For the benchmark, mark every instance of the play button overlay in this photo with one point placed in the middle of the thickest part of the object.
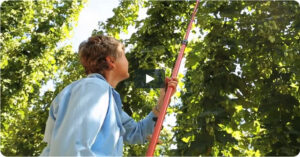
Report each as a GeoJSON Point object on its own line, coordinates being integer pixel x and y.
{"type": "Point", "coordinates": [149, 78]}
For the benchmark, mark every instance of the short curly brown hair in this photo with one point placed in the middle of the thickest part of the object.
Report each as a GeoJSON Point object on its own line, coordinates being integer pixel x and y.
{"type": "Point", "coordinates": [93, 53]}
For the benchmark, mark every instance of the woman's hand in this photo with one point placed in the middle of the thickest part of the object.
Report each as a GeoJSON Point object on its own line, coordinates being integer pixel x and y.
{"type": "Point", "coordinates": [169, 82]}
{"type": "Point", "coordinates": [149, 137]}
{"type": "Point", "coordinates": [172, 82]}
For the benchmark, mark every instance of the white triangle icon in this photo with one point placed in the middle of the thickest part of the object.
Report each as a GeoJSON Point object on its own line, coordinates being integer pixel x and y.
{"type": "Point", "coordinates": [149, 78]}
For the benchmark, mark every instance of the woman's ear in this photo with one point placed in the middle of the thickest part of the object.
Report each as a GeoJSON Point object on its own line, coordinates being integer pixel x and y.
{"type": "Point", "coordinates": [110, 62]}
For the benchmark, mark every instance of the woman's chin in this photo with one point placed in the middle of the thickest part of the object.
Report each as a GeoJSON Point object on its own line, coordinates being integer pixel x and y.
{"type": "Point", "coordinates": [126, 77]}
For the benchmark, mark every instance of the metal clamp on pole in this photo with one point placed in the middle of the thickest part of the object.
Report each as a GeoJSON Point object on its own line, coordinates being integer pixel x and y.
{"type": "Point", "coordinates": [184, 42]}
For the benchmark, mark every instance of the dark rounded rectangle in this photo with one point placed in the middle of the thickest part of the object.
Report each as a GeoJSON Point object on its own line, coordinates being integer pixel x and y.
{"type": "Point", "coordinates": [149, 78]}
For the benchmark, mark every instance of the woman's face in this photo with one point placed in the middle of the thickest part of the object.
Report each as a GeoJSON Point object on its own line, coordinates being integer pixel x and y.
{"type": "Point", "coordinates": [122, 63]}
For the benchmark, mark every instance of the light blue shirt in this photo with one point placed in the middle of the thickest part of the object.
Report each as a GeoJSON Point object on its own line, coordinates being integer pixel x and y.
{"type": "Point", "coordinates": [86, 119]}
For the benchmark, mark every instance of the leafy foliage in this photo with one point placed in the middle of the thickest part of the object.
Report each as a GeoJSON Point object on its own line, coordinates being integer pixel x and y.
{"type": "Point", "coordinates": [240, 92]}
{"type": "Point", "coordinates": [241, 88]}
{"type": "Point", "coordinates": [30, 33]}
{"type": "Point", "coordinates": [242, 73]}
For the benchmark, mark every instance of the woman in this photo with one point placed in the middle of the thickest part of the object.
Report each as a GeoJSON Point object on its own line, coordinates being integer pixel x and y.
{"type": "Point", "coordinates": [86, 118]}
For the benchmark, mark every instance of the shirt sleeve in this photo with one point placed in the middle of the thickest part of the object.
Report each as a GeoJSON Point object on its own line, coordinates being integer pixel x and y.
{"type": "Point", "coordinates": [137, 132]}
{"type": "Point", "coordinates": [49, 124]}
{"type": "Point", "coordinates": [80, 119]}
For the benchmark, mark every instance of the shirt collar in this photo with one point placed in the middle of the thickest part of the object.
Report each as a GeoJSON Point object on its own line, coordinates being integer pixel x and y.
{"type": "Point", "coordinates": [118, 100]}
{"type": "Point", "coordinates": [97, 75]}
{"type": "Point", "coordinates": [116, 95]}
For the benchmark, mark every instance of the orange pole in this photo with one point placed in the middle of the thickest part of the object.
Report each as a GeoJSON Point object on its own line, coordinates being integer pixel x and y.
{"type": "Point", "coordinates": [163, 109]}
